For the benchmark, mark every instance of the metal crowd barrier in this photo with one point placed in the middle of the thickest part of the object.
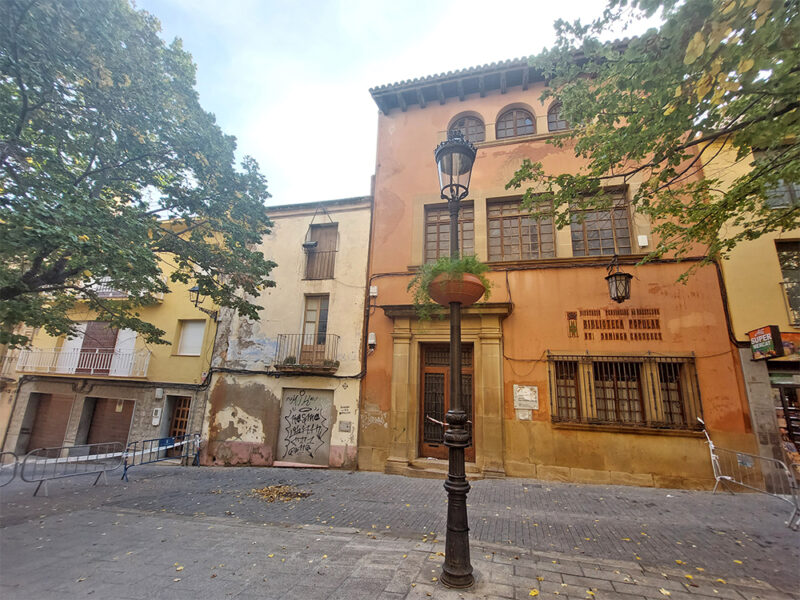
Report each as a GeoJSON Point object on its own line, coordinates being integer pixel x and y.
{"type": "Point", "coordinates": [143, 452]}
{"type": "Point", "coordinates": [8, 467]}
{"type": "Point", "coordinates": [766, 475]}
{"type": "Point", "coordinates": [43, 464]}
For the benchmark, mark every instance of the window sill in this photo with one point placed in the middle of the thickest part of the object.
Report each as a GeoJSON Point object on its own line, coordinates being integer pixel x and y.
{"type": "Point", "coordinates": [638, 430]}
{"type": "Point", "coordinates": [562, 261]}
{"type": "Point", "coordinates": [533, 137]}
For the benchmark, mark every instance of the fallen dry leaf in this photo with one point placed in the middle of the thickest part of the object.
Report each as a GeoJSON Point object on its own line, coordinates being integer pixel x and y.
{"type": "Point", "coordinates": [179, 568]}
{"type": "Point", "coordinates": [286, 493]}
{"type": "Point", "coordinates": [533, 593]}
{"type": "Point", "coordinates": [663, 591]}
{"type": "Point", "coordinates": [680, 562]}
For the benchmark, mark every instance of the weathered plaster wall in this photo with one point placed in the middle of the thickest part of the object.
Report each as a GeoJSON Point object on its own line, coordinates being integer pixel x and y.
{"type": "Point", "coordinates": [244, 419]}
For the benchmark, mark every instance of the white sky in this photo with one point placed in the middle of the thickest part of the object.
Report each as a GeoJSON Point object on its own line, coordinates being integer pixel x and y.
{"type": "Point", "coordinates": [290, 79]}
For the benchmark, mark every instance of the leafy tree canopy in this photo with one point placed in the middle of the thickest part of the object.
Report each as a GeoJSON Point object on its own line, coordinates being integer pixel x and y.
{"type": "Point", "coordinates": [717, 75]}
{"type": "Point", "coordinates": [112, 174]}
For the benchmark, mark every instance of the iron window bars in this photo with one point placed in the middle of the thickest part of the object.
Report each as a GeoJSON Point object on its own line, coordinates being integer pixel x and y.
{"type": "Point", "coordinates": [657, 392]}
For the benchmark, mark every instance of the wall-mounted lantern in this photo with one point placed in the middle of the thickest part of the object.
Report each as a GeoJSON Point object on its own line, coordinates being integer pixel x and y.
{"type": "Point", "coordinates": [195, 298]}
{"type": "Point", "coordinates": [619, 282]}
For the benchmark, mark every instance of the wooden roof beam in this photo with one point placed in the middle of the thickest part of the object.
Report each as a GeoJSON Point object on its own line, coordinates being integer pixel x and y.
{"type": "Point", "coordinates": [401, 101]}
{"type": "Point", "coordinates": [482, 86]}
{"type": "Point", "coordinates": [440, 93]}
{"type": "Point", "coordinates": [461, 94]}
{"type": "Point", "coordinates": [421, 98]}
{"type": "Point", "coordinates": [503, 86]}
{"type": "Point", "coordinates": [525, 74]}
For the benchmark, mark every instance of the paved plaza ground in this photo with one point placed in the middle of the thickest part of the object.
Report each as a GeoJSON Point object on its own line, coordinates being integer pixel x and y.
{"type": "Point", "coordinates": [193, 532]}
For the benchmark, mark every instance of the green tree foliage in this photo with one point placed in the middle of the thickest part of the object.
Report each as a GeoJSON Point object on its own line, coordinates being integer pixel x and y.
{"type": "Point", "coordinates": [659, 108]}
{"type": "Point", "coordinates": [112, 173]}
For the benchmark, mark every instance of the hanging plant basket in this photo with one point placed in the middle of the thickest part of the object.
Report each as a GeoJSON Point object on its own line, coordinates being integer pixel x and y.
{"type": "Point", "coordinates": [465, 288]}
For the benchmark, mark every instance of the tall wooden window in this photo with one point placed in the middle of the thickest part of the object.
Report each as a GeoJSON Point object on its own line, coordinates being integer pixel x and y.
{"type": "Point", "coordinates": [321, 260]}
{"type": "Point", "coordinates": [669, 380]}
{"type": "Point", "coordinates": [315, 322]}
{"type": "Point", "coordinates": [472, 128]}
{"type": "Point", "coordinates": [617, 392]}
{"type": "Point", "coordinates": [315, 330]}
{"type": "Point", "coordinates": [515, 234]}
{"type": "Point", "coordinates": [789, 259]}
{"type": "Point", "coordinates": [515, 122]}
{"type": "Point", "coordinates": [555, 122]}
{"type": "Point", "coordinates": [437, 232]}
{"type": "Point", "coordinates": [568, 399]}
{"type": "Point", "coordinates": [602, 232]}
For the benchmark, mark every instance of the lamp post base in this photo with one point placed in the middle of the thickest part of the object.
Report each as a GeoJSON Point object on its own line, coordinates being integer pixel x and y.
{"type": "Point", "coordinates": [457, 569]}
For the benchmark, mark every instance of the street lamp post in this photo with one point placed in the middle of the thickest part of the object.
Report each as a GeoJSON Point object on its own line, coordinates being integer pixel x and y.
{"type": "Point", "coordinates": [454, 160]}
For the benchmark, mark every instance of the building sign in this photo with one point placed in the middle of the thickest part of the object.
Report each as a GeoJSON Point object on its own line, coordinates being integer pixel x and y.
{"type": "Point", "coordinates": [765, 342]}
{"type": "Point", "coordinates": [615, 324]}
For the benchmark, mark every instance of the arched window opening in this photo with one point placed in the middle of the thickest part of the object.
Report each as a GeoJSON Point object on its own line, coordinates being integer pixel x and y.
{"type": "Point", "coordinates": [472, 128]}
{"type": "Point", "coordinates": [515, 122]}
{"type": "Point", "coordinates": [555, 122]}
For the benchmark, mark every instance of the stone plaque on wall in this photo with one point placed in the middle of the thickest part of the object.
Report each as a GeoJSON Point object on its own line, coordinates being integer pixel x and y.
{"type": "Point", "coordinates": [526, 397]}
{"type": "Point", "coordinates": [305, 426]}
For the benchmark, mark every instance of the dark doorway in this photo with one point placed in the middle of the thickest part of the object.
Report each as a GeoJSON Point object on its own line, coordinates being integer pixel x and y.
{"type": "Point", "coordinates": [435, 395]}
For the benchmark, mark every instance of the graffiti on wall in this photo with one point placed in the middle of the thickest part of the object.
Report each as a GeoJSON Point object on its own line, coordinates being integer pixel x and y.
{"type": "Point", "coordinates": [305, 431]}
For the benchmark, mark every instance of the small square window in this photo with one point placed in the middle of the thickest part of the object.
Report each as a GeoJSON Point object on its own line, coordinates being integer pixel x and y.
{"type": "Point", "coordinates": [190, 337]}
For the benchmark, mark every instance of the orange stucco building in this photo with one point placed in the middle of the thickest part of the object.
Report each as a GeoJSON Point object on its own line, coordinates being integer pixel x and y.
{"type": "Point", "coordinates": [560, 381]}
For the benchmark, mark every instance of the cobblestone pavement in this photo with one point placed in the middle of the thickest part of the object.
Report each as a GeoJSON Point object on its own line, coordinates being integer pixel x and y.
{"type": "Point", "coordinates": [186, 532]}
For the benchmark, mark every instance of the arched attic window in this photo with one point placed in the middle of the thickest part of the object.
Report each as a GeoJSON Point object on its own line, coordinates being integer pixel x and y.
{"type": "Point", "coordinates": [472, 128]}
{"type": "Point", "coordinates": [515, 122]}
{"type": "Point", "coordinates": [555, 122]}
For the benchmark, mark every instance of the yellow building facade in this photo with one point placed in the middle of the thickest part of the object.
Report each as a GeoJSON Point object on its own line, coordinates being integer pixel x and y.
{"type": "Point", "coordinates": [762, 280]}
{"type": "Point", "coordinates": [107, 385]}
{"type": "Point", "coordinates": [285, 388]}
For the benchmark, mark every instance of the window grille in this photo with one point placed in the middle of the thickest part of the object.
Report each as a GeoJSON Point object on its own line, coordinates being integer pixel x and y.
{"type": "Point", "coordinates": [635, 391]}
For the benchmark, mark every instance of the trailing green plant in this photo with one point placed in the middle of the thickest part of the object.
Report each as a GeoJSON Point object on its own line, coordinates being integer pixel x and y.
{"type": "Point", "coordinates": [289, 360]}
{"type": "Point", "coordinates": [423, 303]}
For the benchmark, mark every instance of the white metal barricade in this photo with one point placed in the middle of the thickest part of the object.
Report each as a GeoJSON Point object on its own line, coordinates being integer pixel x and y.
{"type": "Point", "coordinates": [758, 473]}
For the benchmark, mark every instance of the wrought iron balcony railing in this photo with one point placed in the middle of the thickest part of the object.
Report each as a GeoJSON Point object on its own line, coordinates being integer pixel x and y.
{"type": "Point", "coordinates": [100, 361]}
{"type": "Point", "coordinates": [307, 353]}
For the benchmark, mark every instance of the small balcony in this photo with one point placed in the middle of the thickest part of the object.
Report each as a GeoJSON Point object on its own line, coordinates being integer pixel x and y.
{"type": "Point", "coordinates": [298, 353]}
{"type": "Point", "coordinates": [99, 362]}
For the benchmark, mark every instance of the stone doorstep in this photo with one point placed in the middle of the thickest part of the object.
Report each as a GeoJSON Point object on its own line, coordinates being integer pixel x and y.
{"type": "Point", "coordinates": [434, 468]}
